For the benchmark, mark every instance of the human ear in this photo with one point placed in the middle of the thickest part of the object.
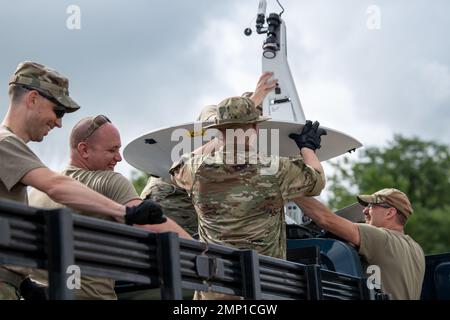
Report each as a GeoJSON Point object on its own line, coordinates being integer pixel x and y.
{"type": "Point", "coordinates": [31, 98]}
{"type": "Point", "coordinates": [391, 212]}
{"type": "Point", "coordinates": [83, 150]}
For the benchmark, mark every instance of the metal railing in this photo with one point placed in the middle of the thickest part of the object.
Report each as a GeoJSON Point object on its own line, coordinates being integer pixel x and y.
{"type": "Point", "coordinates": [56, 239]}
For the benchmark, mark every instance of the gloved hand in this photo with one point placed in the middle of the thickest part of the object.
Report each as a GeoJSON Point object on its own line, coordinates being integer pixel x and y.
{"type": "Point", "coordinates": [148, 212]}
{"type": "Point", "coordinates": [30, 290]}
{"type": "Point", "coordinates": [310, 136]}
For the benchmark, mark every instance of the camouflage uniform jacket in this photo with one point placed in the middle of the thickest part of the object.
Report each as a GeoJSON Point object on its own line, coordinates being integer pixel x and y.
{"type": "Point", "coordinates": [238, 206]}
{"type": "Point", "coordinates": [176, 203]}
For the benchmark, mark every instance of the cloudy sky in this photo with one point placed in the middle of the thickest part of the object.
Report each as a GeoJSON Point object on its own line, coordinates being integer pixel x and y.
{"type": "Point", "coordinates": [149, 64]}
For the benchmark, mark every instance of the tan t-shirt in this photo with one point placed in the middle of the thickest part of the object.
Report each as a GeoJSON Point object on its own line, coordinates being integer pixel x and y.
{"type": "Point", "coordinates": [400, 259]}
{"type": "Point", "coordinates": [112, 185]}
{"type": "Point", "coordinates": [16, 160]}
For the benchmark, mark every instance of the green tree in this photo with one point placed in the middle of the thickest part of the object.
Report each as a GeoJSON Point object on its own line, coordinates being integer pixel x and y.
{"type": "Point", "coordinates": [139, 180]}
{"type": "Point", "coordinates": [431, 229]}
{"type": "Point", "coordinates": [419, 168]}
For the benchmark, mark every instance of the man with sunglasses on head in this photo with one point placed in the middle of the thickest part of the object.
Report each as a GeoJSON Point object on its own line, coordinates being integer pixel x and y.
{"type": "Point", "coordinates": [39, 98]}
{"type": "Point", "coordinates": [381, 241]}
{"type": "Point", "coordinates": [94, 152]}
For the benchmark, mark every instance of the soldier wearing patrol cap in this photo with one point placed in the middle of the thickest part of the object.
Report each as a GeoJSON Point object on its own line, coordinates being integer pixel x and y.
{"type": "Point", "coordinates": [175, 201]}
{"type": "Point", "coordinates": [381, 241]}
{"type": "Point", "coordinates": [39, 98]}
{"type": "Point", "coordinates": [236, 204]}
{"type": "Point", "coordinates": [48, 82]}
{"type": "Point", "coordinates": [388, 197]}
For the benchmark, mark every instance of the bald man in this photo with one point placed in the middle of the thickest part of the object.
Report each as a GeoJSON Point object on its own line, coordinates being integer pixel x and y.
{"type": "Point", "coordinates": [94, 152]}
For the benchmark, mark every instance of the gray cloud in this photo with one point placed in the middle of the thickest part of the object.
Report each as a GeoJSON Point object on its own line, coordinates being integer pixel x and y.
{"type": "Point", "coordinates": [151, 64]}
{"type": "Point", "coordinates": [398, 76]}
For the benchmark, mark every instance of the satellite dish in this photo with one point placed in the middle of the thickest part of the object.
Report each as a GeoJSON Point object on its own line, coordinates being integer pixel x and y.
{"type": "Point", "coordinates": [155, 151]}
{"type": "Point", "coordinates": [353, 212]}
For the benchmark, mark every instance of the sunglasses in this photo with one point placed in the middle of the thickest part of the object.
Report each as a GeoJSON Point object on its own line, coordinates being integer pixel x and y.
{"type": "Point", "coordinates": [382, 205]}
{"type": "Point", "coordinates": [97, 122]}
{"type": "Point", "coordinates": [59, 110]}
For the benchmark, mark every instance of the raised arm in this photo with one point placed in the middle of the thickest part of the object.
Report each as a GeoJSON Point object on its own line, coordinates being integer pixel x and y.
{"type": "Point", "coordinates": [263, 87]}
{"type": "Point", "coordinates": [328, 220]}
{"type": "Point", "coordinates": [308, 141]}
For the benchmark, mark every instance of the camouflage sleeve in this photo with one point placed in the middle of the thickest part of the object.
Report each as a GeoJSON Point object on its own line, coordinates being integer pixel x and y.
{"type": "Point", "coordinates": [157, 188]}
{"type": "Point", "coordinates": [298, 179]}
{"type": "Point", "coordinates": [147, 189]}
{"type": "Point", "coordinates": [182, 173]}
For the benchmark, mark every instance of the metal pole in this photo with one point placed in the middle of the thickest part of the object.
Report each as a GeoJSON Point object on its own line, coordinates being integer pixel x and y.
{"type": "Point", "coordinates": [250, 275]}
{"type": "Point", "coordinates": [60, 252]}
{"type": "Point", "coordinates": [168, 253]}
{"type": "Point", "coordinates": [314, 281]}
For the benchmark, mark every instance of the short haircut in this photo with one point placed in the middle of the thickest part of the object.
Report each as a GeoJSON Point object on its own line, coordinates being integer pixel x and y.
{"type": "Point", "coordinates": [85, 128]}
{"type": "Point", "coordinates": [79, 132]}
{"type": "Point", "coordinates": [400, 218]}
{"type": "Point", "coordinates": [16, 92]}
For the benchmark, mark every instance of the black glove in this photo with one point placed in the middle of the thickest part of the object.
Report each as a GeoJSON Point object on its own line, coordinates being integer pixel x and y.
{"type": "Point", "coordinates": [148, 212]}
{"type": "Point", "coordinates": [310, 136]}
{"type": "Point", "coordinates": [30, 290]}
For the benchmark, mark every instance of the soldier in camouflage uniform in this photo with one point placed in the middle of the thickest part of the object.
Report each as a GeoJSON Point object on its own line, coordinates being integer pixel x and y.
{"type": "Point", "coordinates": [236, 204]}
{"type": "Point", "coordinates": [176, 202]}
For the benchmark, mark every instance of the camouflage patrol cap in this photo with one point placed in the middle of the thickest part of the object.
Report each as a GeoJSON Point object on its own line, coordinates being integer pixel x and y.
{"type": "Point", "coordinates": [248, 94]}
{"type": "Point", "coordinates": [208, 113]}
{"type": "Point", "coordinates": [236, 111]}
{"type": "Point", "coordinates": [392, 197]}
{"type": "Point", "coordinates": [36, 76]}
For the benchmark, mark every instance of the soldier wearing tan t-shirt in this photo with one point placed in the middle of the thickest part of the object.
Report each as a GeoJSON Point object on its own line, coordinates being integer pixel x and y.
{"type": "Point", "coordinates": [381, 241]}
{"type": "Point", "coordinates": [16, 160]}
{"type": "Point", "coordinates": [39, 98]}
{"type": "Point", "coordinates": [112, 185]}
{"type": "Point", "coordinates": [94, 152]}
